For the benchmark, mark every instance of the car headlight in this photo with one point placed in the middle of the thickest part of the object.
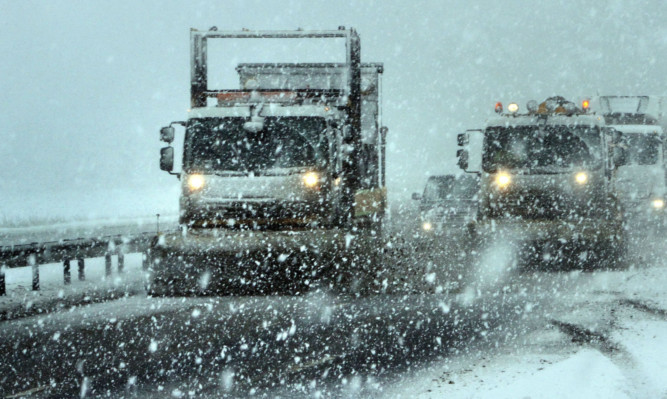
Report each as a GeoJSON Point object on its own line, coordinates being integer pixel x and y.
{"type": "Point", "coordinates": [658, 203]}
{"type": "Point", "coordinates": [196, 182]}
{"type": "Point", "coordinates": [427, 226]}
{"type": "Point", "coordinates": [310, 179]}
{"type": "Point", "coordinates": [581, 178]}
{"type": "Point", "coordinates": [503, 179]}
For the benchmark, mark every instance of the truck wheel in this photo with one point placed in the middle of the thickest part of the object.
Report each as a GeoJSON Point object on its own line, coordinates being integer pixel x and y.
{"type": "Point", "coordinates": [155, 288]}
{"type": "Point", "coordinates": [617, 258]}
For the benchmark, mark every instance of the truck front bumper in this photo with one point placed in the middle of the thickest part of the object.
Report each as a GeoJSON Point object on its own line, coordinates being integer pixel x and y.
{"type": "Point", "coordinates": [215, 260]}
{"type": "Point", "coordinates": [564, 231]}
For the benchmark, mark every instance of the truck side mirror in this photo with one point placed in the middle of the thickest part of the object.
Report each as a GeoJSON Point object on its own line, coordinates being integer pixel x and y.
{"type": "Point", "coordinates": [167, 159]}
{"type": "Point", "coordinates": [416, 196]}
{"type": "Point", "coordinates": [620, 156]}
{"type": "Point", "coordinates": [618, 148]}
{"type": "Point", "coordinates": [617, 137]}
{"type": "Point", "coordinates": [254, 125]}
{"type": "Point", "coordinates": [167, 134]}
{"type": "Point", "coordinates": [462, 139]}
{"type": "Point", "coordinates": [462, 156]}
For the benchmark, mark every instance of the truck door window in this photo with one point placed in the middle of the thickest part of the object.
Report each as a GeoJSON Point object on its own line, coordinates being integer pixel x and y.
{"type": "Point", "coordinates": [642, 149]}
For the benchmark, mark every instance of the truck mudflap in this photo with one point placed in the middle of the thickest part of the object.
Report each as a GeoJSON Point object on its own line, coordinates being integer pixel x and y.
{"type": "Point", "coordinates": [222, 261]}
{"type": "Point", "coordinates": [587, 243]}
{"type": "Point", "coordinates": [370, 202]}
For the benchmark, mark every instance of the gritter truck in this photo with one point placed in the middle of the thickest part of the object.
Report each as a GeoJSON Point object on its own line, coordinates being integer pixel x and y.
{"type": "Point", "coordinates": [547, 184]}
{"type": "Point", "coordinates": [282, 179]}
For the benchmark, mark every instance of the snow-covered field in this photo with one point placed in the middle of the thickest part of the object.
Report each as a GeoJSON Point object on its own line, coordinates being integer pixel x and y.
{"type": "Point", "coordinates": [83, 207]}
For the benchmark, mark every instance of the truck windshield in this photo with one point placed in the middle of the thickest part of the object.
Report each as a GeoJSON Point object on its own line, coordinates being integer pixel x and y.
{"type": "Point", "coordinates": [642, 149]}
{"type": "Point", "coordinates": [221, 144]}
{"type": "Point", "coordinates": [541, 149]}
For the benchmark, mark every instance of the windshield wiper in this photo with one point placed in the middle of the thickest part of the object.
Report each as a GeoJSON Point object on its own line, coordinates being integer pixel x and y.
{"type": "Point", "coordinates": [229, 173]}
{"type": "Point", "coordinates": [292, 170]}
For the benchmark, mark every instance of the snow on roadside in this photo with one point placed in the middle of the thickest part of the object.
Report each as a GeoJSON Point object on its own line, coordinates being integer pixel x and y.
{"type": "Point", "coordinates": [551, 365]}
{"type": "Point", "coordinates": [645, 342]}
{"type": "Point", "coordinates": [548, 366]}
{"type": "Point", "coordinates": [586, 374]}
{"type": "Point", "coordinates": [52, 288]}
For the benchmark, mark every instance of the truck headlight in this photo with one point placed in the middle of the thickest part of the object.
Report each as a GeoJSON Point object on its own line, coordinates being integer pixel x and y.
{"type": "Point", "coordinates": [503, 179]}
{"type": "Point", "coordinates": [581, 178]}
{"type": "Point", "coordinates": [196, 182]}
{"type": "Point", "coordinates": [310, 179]}
{"type": "Point", "coordinates": [427, 226]}
{"type": "Point", "coordinates": [658, 203]}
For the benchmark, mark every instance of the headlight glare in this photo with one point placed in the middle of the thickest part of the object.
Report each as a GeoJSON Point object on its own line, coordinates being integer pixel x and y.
{"type": "Point", "coordinates": [310, 179]}
{"type": "Point", "coordinates": [581, 178]}
{"type": "Point", "coordinates": [658, 203]}
{"type": "Point", "coordinates": [503, 179]}
{"type": "Point", "coordinates": [427, 226]}
{"type": "Point", "coordinates": [196, 182]}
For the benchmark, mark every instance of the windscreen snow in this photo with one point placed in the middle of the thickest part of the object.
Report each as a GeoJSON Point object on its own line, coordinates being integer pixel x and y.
{"type": "Point", "coordinates": [222, 145]}
{"type": "Point", "coordinates": [541, 149]}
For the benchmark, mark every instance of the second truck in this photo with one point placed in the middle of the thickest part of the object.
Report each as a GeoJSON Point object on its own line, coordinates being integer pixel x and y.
{"type": "Point", "coordinates": [547, 184]}
{"type": "Point", "coordinates": [282, 180]}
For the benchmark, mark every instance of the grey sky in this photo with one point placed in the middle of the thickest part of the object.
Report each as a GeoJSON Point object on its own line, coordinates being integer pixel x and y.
{"type": "Point", "coordinates": [85, 86]}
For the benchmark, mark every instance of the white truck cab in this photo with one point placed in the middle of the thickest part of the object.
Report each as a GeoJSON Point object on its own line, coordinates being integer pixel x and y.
{"type": "Point", "coordinates": [641, 183]}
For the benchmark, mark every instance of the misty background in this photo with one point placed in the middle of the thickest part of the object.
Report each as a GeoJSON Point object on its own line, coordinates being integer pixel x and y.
{"type": "Point", "coordinates": [85, 86]}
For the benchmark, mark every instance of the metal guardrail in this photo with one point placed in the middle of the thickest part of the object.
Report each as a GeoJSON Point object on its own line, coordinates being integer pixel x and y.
{"type": "Point", "coordinates": [65, 251]}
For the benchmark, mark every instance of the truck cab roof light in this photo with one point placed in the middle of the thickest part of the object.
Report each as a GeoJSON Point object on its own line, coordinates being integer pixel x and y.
{"type": "Point", "coordinates": [499, 107]}
{"type": "Point", "coordinates": [569, 108]}
{"type": "Point", "coordinates": [551, 104]}
{"type": "Point", "coordinates": [531, 106]}
{"type": "Point", "coordinates": [585, 104]}
{"type": "Point", "coordinates": [513, 108]}
{"type": "Point", "coordinates": [558, 105]}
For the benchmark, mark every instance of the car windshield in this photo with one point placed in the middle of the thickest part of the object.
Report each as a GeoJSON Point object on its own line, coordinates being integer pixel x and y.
{"type": "Point", "coordinates": [443, 188]}
{"type": "Point", "coordinates": [541, 148]}
{"type": "Point", "coordinates": [222, 144]}
{"type": "Point", "coordinates": [642, 149]}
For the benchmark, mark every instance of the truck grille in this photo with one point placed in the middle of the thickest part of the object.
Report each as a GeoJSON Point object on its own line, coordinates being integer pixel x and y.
{"type": "Point", "coordinates": [537, 205]}
{"type": "Point", "coordinates": [252, 213]}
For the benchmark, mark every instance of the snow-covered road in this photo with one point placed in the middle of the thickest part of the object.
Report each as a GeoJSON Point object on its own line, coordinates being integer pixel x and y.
{"type": "Point", "coordinates": [502, 333]}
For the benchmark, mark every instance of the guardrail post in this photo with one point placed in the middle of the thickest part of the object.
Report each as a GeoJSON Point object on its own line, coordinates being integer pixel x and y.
{"type": "Point", "coordinates": [32, 261]}
{"type": "Point", "coordinates": [121, 261]}
{"type": "Point", "coordinates": [67, 277]}
{"type": "Point", "coordinates": [82, 273]}
{"type": "Point", "coordinates": [3, 288]}
{"type": "Point", "coordinates": [107, 264]}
